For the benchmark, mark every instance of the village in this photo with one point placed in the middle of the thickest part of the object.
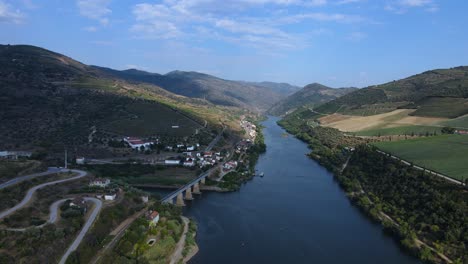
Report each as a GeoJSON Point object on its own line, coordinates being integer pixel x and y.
{"type": "Point", "coordinates": [88, 193]}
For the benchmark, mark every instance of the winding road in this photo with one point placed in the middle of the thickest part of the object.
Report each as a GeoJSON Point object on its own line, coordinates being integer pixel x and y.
{"type": "Point", "coordinates": [54, 207]}
{"type": "Point", "coordinates": [85, 228]}
{"type": "Point", "coordinates": [50, 170]}
{"type": "Point", "coordinates": [31, 192]}
{"type": "Point", "coordinates": [52, 216]}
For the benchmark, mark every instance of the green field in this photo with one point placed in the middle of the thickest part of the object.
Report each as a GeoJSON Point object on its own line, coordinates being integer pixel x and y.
{"type": "Point", "coordinates": [403, 130]}
{"type": "Point", "coordinates": [447, 154]}
{"type": "Point", "coordinates": [442, 107]}
{"type": "Point", "coordinates": [460, 122]}
{"type": "Point", "coordinates": [148, 119]}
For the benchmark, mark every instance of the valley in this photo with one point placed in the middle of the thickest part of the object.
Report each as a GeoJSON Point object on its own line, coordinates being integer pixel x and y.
{"type": "Point", "coordinates": [133, 132]}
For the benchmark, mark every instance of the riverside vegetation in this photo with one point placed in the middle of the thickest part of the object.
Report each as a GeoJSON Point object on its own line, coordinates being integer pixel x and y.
{"type": "Point", "coordinates": [427, 214]}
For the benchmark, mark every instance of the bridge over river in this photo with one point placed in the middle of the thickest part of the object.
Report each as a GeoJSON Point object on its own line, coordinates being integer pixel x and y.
{"type": "Point", "coordinates": [186, 192]}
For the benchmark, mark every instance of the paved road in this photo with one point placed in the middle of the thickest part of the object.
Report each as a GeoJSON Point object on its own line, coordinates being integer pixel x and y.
{"type": "Point", "coordinates": [52, 216]}
{"type": "Point", "coordinates": [423, 169]}
{"type": "Point", "coordinates": [85, 228]}
{"type": "Point", "coordinates": [51, 170]}
{"type": "Point", "coordinates": [31, 192]}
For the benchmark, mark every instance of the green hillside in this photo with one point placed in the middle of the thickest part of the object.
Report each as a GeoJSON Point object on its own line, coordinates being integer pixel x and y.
{"type": "Point", "coordinates": [203, 86]}
{"type": "Point", "coordinates": [50, 99]}
{"type": "Point", "coordinates": [309, 96]}
{"type": "Point", "coordinates": [438, 93]}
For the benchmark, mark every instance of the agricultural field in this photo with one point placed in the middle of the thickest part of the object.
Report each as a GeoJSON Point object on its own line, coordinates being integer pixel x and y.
{"type": "Point", "coordinates": [402, 130]}
{"type": "Point", "coordinates": [460, 122]}
{"type": "Point", "coordinates": [442, 107]}
{"type": "Point", "coordinates": [446, 154]}
{"type": "Point", "coordinates": [148, 119]}
{"type": "Point", "coordinates": [394, 119]}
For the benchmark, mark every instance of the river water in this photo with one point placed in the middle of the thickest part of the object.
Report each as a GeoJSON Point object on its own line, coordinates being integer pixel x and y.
{"type": "Point", "coordinates": [297, 213]}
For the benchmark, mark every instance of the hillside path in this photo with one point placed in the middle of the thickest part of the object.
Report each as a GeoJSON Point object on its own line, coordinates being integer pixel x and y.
{"type": "Point", "coordinates": [84, 230]}
{"type": "Point", "coordinates": [50, 170]}
{"type": "Point", "coordinates": [31, 192]}
{"type": "Point", "coordinates": [177, 255]}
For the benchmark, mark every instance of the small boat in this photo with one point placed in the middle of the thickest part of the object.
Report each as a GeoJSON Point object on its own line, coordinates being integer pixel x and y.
{"type": "Point", "coordinates": [262, 174]}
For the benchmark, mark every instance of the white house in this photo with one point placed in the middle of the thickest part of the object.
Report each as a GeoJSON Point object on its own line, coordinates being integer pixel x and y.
{"type": "Point", "coordinates": [110, 197]}
{"type": "Point", "coordinates": [100, 182]}
{"type": "Point", "coordinates": [78, 202]}
{"type": "Point", "coordinates": [152, 217]}
{"type": "Point", "coordinates": [191, 148]}
{"type": "Point", "coordinates": [189, 162]}
{"type": "Point", "coordinates": [80, 160]}
{"type": "Point", "coordinates": [230, 165]}
{"type": "Point", "coordinates": [137, 143]}
{"type": "Point", "coordinates": [14, 155]}
{"type": "Point", "coordinates": [172, 162]}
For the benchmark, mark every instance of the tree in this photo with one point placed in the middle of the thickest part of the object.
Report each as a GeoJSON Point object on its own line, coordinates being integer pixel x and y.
{"type": "Point", "coordinates": [448, 130]}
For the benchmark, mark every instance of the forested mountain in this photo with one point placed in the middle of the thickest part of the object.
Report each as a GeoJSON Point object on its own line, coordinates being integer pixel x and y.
{"type": "Point", "coordinates": [47, 98]}
{"type": "Point", "coordinates": [431, 92]}
{"type": "Point", "coordinates": [218, 91]}
{"type": "Point", "coordinates": [311, 95]}
{"type": "Point", "coordinates": [281, 88]}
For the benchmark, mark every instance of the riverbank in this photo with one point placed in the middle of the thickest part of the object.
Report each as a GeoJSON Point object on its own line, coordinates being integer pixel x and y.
{"type": "Point", "coordinates": [385, 190]}
{"type": "Point", "coordinates": [272, 218]}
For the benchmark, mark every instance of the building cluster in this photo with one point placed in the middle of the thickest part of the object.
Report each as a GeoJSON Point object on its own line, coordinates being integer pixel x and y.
{"type": "Point", "coordinates": [230, 165]}
{"type": "Point", "coordinates": [103, 183]}
{"type": "Point", "coordinates": [14, 155]}
{"type": "Point", "coordinates": [249, 128]}
{"type": "Point", "coordinates": [138, 143]}
{"type": "Point", "coordinates": [78, 203]}
{"type": "Point", "coordinates": [193, 159]}
{"type": "Point", "coordinates": [461, 132]}
{"type": "Point", "coordinates": [183, 147]}
{"type": "Point", "coordinates": [243, 145]}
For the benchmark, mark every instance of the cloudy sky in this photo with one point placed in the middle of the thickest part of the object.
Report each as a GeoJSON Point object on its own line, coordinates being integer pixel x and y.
{"type": "Point", "coordinates": [334, 42]}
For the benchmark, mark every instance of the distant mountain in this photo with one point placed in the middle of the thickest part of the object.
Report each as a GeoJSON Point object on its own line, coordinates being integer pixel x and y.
{"type": "Point", "coordinates": [311, 95]}
{"type": "Point", "coordinates": [441, 93]}
{"type": "Point", "coordinates": [48, 99]}
{"type": "Point", "coordinates": [281, 88]}
{"type": "Point", "coordinates": [198, 85]}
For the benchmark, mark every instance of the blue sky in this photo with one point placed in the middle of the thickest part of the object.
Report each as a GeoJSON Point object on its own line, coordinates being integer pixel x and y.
{"type": "Point", "coordinates": [334, 42]}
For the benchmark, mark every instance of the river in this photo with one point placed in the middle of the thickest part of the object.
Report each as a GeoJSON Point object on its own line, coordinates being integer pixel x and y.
{"type": "Point", "coordinates": [297, 213]}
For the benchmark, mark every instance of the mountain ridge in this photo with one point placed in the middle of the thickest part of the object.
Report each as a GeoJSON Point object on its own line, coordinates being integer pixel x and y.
{"type": "Point", "coordinates": [310, 95]}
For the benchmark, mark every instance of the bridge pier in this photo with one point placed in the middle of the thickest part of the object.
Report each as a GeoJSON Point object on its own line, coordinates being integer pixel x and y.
{"type": "Point", "coordinates": [203, 181]}
{"type": "Point", "coordinates": [188, 194]}
{"type": "Point", "coordinates": [170, 201]}
{"type": "Point", "coordinates": [180, 200]}
{"type": "Point", "coordinates": [196, 188]}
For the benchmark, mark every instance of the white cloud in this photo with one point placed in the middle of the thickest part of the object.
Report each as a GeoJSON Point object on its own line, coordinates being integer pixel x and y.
{"type": "Point", "coordinates": [356, 36]}
{"type": "Point", "coordinates": [201, 20]}
{"type": "Point", "coordinates": [415, 3]}
{"type": "Point", "coordinates": [95, 9]}
{"type": "Point", "coordinates": [90, 29]}
{"type": "Point", "coordinates": [345, 2]}
{"type": "Point", "coordinates": [9, 15]}
{"type": "Point", "coordinates": [402, 6]}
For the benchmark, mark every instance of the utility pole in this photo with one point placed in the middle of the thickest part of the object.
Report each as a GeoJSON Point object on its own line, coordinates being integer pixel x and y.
{"type": "Point", "coordinates": [66, 159]}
